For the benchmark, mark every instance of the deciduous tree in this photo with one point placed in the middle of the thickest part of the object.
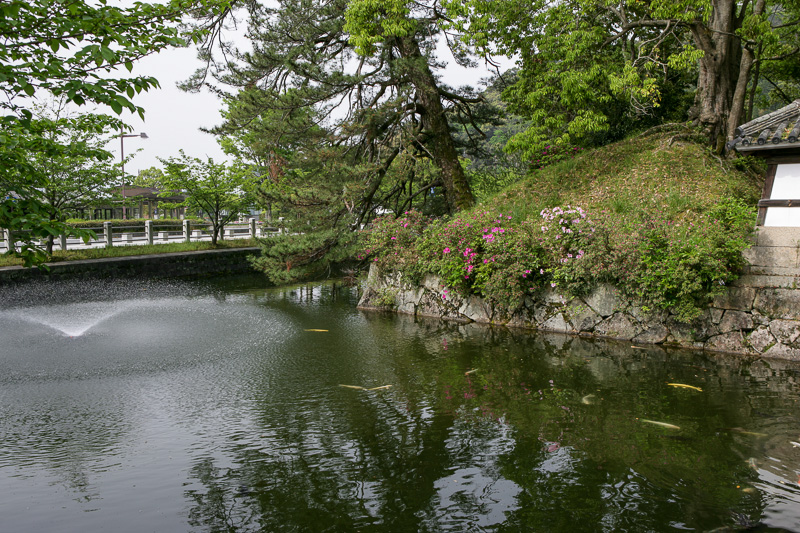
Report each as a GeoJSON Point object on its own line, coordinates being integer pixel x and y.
{"type": "Point", "coordinates": [219, 190]}
{"type": "Point", "coordinates": [577, 56]}
{"type": "Point", "coordinates": [70, 49]}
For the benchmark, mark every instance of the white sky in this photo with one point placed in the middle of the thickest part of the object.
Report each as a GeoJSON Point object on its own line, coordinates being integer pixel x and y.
{"type": "Point", "coordinates": [173, 118]}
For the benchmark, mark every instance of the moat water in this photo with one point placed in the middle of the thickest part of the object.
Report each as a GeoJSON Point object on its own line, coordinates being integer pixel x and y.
{"type": "Point", "coordinates": [227, 406]}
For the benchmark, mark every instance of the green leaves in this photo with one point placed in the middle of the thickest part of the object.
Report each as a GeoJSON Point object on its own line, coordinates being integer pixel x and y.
{"type": "Point", "coordinates": [371, 21]}
{"type": "Point", "coordinates": [68, 50]}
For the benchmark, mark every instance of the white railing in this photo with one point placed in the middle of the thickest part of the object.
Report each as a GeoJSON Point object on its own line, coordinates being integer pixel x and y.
{"type": "Point", "coordinates": [155, 232]}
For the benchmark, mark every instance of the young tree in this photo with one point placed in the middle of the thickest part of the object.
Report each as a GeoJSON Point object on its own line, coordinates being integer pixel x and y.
{"type": "Point", "coordinates": [221, 192]}
{"type": "Point", "coordinates": [69, 50]}
{"type": "Point", "coordinates": [577, 56]}
{"type": "Point", "coordinates": [80, 174]}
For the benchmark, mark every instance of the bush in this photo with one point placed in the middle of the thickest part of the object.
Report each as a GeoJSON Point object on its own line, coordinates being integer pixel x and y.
{"type": "Point", "coordinates": [663, 262]}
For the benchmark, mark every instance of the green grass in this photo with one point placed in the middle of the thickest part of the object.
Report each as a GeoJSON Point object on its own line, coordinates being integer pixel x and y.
{"type": "Point", "coordinates": [126, 251]}
{"type": "Point", "coordinates": [634, 175]}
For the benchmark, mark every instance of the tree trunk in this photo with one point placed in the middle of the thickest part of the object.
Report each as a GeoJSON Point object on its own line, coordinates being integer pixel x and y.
{"type": "Point", "coordinates": [435, 126]}
{"type": "Point", "coordinates": [740, 92]}
{"type": "Point", "coordinates": [719, 71]}
{"type": "Point", "coordinates": [754, 85]}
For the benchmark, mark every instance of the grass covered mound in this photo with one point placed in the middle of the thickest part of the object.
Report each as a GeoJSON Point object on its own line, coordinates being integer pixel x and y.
{"type": "Point", "coordinates": [664, 223]}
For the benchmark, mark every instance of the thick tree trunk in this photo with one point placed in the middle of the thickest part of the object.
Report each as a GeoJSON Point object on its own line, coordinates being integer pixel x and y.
{"type": "Point", "coordinates": [719, 71]}
{"type": "Point", "coordinates": [435, 126]}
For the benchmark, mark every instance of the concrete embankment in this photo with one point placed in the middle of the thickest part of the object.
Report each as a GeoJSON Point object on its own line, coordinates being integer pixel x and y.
{"type": "Point", "coordinates": [757, 315]}
{"type": "Point", "coordinates": [172, 265]}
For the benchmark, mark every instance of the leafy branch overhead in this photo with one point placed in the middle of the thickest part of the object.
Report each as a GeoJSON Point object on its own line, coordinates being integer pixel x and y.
{"type": "Point", "coordinates": [580, 60]}
{"type": "Point", "coordinates": [71, 51]}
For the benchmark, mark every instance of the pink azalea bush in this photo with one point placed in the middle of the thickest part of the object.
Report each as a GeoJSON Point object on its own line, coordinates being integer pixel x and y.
{"type": "Point", "coordinates": [661, 261]}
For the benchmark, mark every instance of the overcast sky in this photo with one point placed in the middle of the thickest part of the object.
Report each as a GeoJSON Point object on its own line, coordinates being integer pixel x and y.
{"type": "Point", "coordinates": [173, 118]}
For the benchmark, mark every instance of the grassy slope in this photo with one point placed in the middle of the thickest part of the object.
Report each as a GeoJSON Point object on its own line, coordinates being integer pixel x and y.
{"type": "Point", "coordinates": [640, 173]}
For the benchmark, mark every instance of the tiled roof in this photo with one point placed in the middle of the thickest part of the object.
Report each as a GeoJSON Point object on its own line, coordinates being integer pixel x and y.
{"type": "Point", "coordinates": [776, 130]}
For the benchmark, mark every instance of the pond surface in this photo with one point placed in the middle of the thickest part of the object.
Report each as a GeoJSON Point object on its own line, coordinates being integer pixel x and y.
{"type": "Point", "coordinates": [220, 406]}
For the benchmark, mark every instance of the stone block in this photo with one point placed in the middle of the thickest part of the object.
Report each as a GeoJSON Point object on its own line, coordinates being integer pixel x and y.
{"type": "Point", "coordinates": [655, 334]}
{"type": "Point", "coordinates": [407, 300]}
{"type": "Point", "coordinates": [786, 332]}
{"type": "Point", "coordinates": [716, 314]}
{"type": "Point", "coordinates": [542, 312]}
{"type": "Point", "coordinates": [735, 320]}
{"type": "Point", "coordinates": [778, 303]}
{"type": "Point", "coordinates": [432, 283]}
{"type": "Point", "coordinates": [770, 256]}
{"type": "Point", "coordinates": [761, 339]}
{"type": "Point", "coordinates": [733, 341]}
{"type": "Point", "coordinates": [687, 333]}
{"type": "Point", "coordinates": [766, 281]}
{"type": "Point", "coordinates": [476, 309]}
{"type": "Point", "coordinates": [618, 326]}
{"type": "Point", "coordinates": [737, 298]}
{"type": "Point", "coordinates": [781, 351]}
{"type": "Point", "coordinates": [777, 236]}
{"type": "Point", "coordinates": [553, 297]}
{"type": "Point", "coordinates": [521, 319]}
{"type": "Point", "coordinates": [581, 316]}
{"type": "Point", "coordinates": [604, 300]}
{"type": "Point", "coordinates": [556, 323]}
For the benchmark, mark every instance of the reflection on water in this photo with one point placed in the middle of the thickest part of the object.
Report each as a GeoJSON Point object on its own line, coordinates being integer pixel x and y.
{"type": "Point", "coordinates": [219, 407]}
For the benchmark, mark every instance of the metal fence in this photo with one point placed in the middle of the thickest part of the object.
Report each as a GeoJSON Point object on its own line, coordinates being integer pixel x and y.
{"type": "Point", "coordinates": [155, 232]}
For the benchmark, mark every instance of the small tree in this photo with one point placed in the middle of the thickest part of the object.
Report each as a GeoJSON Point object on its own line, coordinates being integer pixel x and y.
{"type": "Point", "coordinates": [218, 190]}
{"type": "Point", "coordinates": [78, 175]}
{"type": "Point", "coordinates": [69, 50]}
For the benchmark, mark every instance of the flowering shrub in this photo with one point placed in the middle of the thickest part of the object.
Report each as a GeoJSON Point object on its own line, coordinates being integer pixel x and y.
{"type": "Point", "coordinates": [682, 265]}
{"type": "Point", "coordinates": [389, 241]}
{"type": "Point", "coordinates": [484, 254]}
{"type": "Point", "coordinates": [662, 263]}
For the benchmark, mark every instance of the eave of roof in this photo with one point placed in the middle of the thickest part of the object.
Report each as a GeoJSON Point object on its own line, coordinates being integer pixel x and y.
{"type": "Point", "coordinates": [774, 131]}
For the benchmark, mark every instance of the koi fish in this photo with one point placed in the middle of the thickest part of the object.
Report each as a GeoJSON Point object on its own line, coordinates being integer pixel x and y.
{"type": "Point", "coordinates": [752, 463]}
{"type": "Point", "coordinates": [318, 330]}
{"type": "Point", "coordinates": [741, 431]}
{"type": "Point", "coordinates": [662, 424]}
{"type": "Point", "coordinates": [356, 387]}
{"type": "Point", "coordinates": [588, 399]}
{"type": "Point", "coordinates": [681, 385]}
{"type": "Point", "coordinates": [795, 444]}
{"type": "Point", "coordinates": [468, 372]}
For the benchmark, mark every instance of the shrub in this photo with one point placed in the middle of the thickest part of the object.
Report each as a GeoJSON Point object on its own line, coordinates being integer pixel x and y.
{"type": "Point", "coordinates": [662, 262]}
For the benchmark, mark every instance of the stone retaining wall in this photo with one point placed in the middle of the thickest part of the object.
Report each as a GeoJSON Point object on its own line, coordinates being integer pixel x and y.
{"type": "Point", "coordinates": [172, 265]}
{"type": "Point", "coordinates": [758, 315]}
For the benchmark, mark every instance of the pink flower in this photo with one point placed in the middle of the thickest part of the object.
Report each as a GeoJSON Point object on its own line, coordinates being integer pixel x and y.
{"type": "Point", "coordinates": [446, 250]}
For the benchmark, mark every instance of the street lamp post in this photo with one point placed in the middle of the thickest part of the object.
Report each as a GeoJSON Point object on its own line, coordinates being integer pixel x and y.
{"type": "Point", "coordinates": [122, 137]}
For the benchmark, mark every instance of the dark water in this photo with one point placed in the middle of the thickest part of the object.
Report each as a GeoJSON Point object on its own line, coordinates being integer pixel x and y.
{"type": "Point", "coordinates": [211, 407]}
